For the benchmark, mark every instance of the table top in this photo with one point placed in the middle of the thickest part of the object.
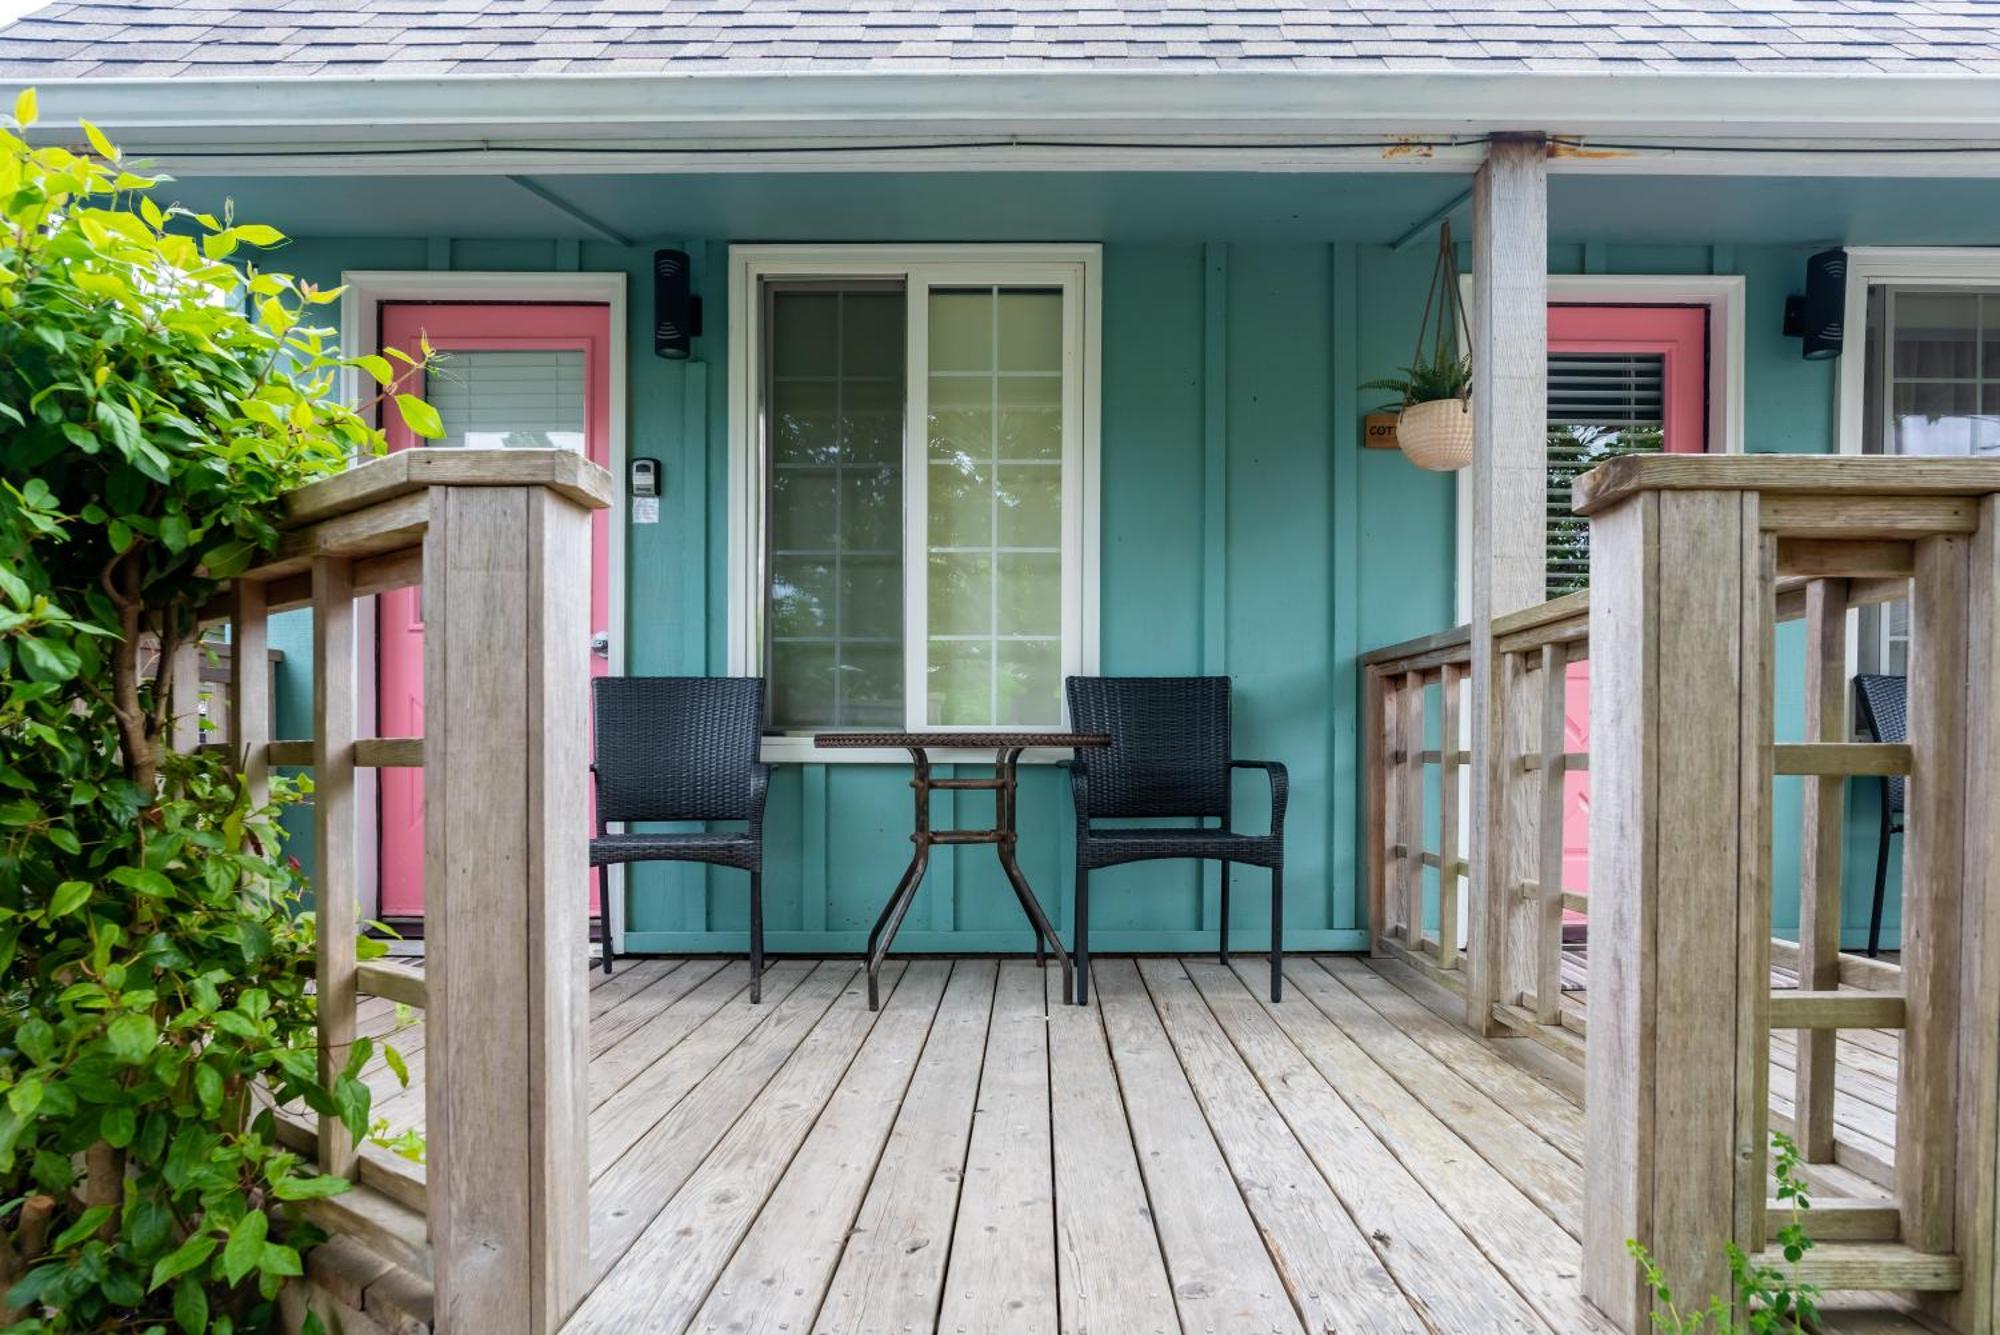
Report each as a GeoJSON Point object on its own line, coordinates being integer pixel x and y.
{"type": "Point", "coordinates": [971, 741]}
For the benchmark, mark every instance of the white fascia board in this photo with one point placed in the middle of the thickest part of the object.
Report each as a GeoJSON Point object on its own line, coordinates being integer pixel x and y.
{"type": "Point", "coordinates": [1297, 118]}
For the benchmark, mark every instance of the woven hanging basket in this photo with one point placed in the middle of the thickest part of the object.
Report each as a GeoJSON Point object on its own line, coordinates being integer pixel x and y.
{"type": "Point", "coordinates": [1437, 435]}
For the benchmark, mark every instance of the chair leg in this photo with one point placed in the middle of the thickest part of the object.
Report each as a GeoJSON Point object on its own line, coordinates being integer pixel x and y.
{"type": "Point", "coordinates": [1222, 945]}
{"type": "Point", "coordinates": [1881, 889]}
{"type": "Point", "coordinates": [756, 937]}
{"type": "Point", "coordinates": [1080, 953]}
{"type": "Point", "coordinates": [1278, 932]}
{"type": "Point", "coordinates": [604, 900]}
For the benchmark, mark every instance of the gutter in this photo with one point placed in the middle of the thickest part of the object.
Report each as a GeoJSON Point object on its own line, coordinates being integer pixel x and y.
{"type": "Point", "coordinates": [611, 122]}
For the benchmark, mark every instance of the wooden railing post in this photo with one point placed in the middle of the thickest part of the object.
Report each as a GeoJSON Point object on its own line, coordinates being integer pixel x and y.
{"type": "Point", "coordinates": [1820, 843]}
{"type": "Point", "coordinates": [336, 885]}
{"type": "Point", "coordinates": [1410, 807]}
{"type": "Point", "coordinates": [1377, 724]}
{"type": "Point", "coordinates": [250, 686]}
{"type": "Point", "coordinates": [506, 596]}
{"type": "Point", "coordinates": [1674, 1088]}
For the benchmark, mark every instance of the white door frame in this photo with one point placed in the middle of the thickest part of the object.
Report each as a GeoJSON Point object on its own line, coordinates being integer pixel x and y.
{"type": "Point", "coordinates": [360, 324]}
{"type": "Point", "coordinates": [1723, 294]}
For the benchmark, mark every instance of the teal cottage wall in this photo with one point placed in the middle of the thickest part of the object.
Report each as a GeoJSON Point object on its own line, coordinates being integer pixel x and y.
{"type": "Point", "coordinates": [1244, 530]}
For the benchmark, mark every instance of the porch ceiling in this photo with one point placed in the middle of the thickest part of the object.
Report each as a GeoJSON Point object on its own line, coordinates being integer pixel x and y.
{"type": "Point", "coordinates": [1132, 206]}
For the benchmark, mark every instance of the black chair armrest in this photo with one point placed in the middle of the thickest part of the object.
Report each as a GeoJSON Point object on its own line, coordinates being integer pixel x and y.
{"type": "Point", "coordinates": [760, 788]}
{"type": "Point", "coordinates": [1079, 791]}
{"type": "Point", "coordinates": [1281, 785]}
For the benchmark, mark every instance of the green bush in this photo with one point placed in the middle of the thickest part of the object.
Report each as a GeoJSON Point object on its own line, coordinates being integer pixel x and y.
{"type": "Point", "coordinates": [157, 400]}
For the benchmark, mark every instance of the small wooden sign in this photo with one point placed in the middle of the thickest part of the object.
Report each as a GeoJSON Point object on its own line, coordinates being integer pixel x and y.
{"type": "Point", "coordinates": [1378, 431]}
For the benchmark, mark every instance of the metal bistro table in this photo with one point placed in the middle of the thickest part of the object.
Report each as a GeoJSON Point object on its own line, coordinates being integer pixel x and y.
{"type": "Point", "coordinates": [1007, 748]}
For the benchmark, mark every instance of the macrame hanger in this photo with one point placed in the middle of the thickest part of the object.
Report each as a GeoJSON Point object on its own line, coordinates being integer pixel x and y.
{"type": "Point", "coordinates": [1449, 307]}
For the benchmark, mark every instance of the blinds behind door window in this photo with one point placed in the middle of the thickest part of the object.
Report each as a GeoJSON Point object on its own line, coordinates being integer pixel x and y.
{"type": "Point", "coordinates": [1600, 404]}
{"type": "Point", "coordinates": [519, 400]}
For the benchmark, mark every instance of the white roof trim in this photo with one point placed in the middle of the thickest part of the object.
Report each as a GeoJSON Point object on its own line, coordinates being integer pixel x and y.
{"type": "Point", "coordinates": [1295, 120]}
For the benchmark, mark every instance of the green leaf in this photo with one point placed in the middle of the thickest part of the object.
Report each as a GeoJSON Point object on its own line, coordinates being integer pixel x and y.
{"type": "Point", "coordinates": [208, 1088]}
{"type": "Point", "coordinates": [68, 898]}
{"type": "Point", "coordinates": [24, 107]}
{"type": "Point", "coordinates": [278, 1259]}
{"type": "Point", "coordinates": [191, 1307]}
{"type": "Point", "coordinates": [105, 148]}
{"type": "Point", "coordinates": [257, 234]}
{"type": "Point", "coordinates": [377, 367]}
{"type": "Point", "coordinates": [35, 1039]}
{"type": "Point", "coordinates": [308, 1188]}
{"type": "Point", "coordinates": [131, 1038]}
{"type": "Point", "coordinates": [397, 1064]}
{"type": "Point", "coordinates": [245, 1247]}
{"type": "Point", "coordinates": [183, 1258]}
{"type": "Point", "coordinates": [118, 1125]}
{"type": "Point", "coordinates": [25, 1096]}
{"type": "Point", "coordinates": [143, 879]}
{"type": "Point", "coordinates": [121, 423]}
{"type": "Point", "coordinates": [420, 417]}
{"type": "Point", "coordinates": [86, 1224]}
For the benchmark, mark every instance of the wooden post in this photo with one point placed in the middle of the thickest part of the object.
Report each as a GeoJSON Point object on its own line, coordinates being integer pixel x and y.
{"type": "Point", "coordinates": [1450, 740]}
{"type": "Point", "coordinates": [1376, 742]}
{"type": "Point", "coordinates": [1509, 493]}
{"type": "Point", "coordinates": [1410, 807]}
{"type": "Point", "coordinates": [250, 688]}
{"type": "Point", "coordinates": [185, 683]}
{"type": "Point", "coordinates": [1823, 832]}
{"type": "Point", "coordinates": [336, 887]}
{"type": "Point", "coordinates": [1933, 894]}
{"type": "Point", "coordinates": [1677, 685]}
{"type": "Point", "coordinates": [1544, 918]}
{"type": "Point", "coordinates": [506, 598]}
{"type": "Point", "coordinates": [1977, 1133]}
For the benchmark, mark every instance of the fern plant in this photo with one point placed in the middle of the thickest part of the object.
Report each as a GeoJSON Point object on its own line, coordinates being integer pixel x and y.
{"type": "Point", "coordinates": [1429, 381]}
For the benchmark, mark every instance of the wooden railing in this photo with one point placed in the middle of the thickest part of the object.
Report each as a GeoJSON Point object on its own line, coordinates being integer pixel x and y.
{"type": "Point", "coordinates": [1694, 563]}
{"type": "Point", "coordinates": [500, 540]}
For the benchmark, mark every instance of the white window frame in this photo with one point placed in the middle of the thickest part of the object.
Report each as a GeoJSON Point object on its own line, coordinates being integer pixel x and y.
{"type": "Point", "coordinates": [1948, 268]}
{"type": "Point", "coordinates": [1723, 294]}
{"type": "Point", "coordinates": [1952, 268]}
{"type": "Point", "coordinates": [1077, 271]}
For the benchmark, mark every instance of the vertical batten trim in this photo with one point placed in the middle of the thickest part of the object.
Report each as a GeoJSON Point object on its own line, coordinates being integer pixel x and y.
{"type": "Point", "coordinates": [813, 851]}
{"type": "Point", "coordinates": [437, 253]}
{"type": "Point", "coordinates": [1214, 502]}
{"type": "Point", "coordinates": [1344, 687]}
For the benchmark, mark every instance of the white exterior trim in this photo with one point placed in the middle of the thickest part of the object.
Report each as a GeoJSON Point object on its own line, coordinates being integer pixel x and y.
{"type": "Point", "coordinates": [1077, 269]}
{"type": "Point", "coordinates": [1095, 119]}
{"type": "Point", "coordinates": [1723, 294]}
{"type": "Point", "coordinates": [1869, 266]}
{"type": "Point", "coordinates": [360, 321]}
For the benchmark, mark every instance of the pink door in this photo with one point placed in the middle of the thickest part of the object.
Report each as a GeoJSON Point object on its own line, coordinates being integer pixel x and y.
{"type": "Point", "coordinates": [513, 375]}
{"type": "Point", "coordinates": [1627, 346]}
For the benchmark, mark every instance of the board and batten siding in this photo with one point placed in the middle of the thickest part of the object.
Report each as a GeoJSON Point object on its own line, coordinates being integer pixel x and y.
{"type": "Point", "coordinates": [1244, 530]}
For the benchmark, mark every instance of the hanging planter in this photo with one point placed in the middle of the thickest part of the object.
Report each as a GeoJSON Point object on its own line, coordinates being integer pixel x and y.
{"type": "Point", "coordinates": [1434, 426]}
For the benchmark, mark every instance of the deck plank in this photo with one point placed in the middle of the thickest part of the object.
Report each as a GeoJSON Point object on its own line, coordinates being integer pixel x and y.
{"type": "Point", "coordinates": [892, 1273]}
{"type": "Point", "coordinates": [1223, 1278]}
{"type": "Point", "coordinates": [1453, 1285]}
{"type": "Point", "coordinates": [668, 1269]}
{"type": "Point", "coordinates": [643, 1046]}
{"type": "Point", "coordinates": [714, 1032]}
{"type": "Point", "coordinates": [1002, 1272]}
{"type": "Point", "coordinates": [630, 1192]}
{"type": "Point", "coordinates": [1111, 1275]}
{"type": "Point", "coordinates": [1551, 1115]}
{"type": "Point", "coordinates": [1521, 1239]}
{"type": "Point", "coordinates": [1511, 1145]}
{"type": "Point", "coordinates": [1332, 1271]}
{"type": "Point", "coordinates": [780, 1270]}
{"type": "Point", "coordinates": [609, 1029]}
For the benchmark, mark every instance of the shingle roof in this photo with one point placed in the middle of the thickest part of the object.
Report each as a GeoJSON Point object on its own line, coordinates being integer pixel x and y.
{"type": "Point", "coordinates": [416, 38]}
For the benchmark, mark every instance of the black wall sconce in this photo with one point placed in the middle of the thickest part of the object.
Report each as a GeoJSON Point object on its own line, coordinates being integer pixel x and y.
{"type": "Point", "coordinates": [1818, 316]}
{"type": "Point", "coordinates": [676, 310]}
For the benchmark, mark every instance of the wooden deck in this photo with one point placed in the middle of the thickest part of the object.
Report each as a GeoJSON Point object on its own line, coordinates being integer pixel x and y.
{"type": "Point", "coordinates": [1179, 1156]}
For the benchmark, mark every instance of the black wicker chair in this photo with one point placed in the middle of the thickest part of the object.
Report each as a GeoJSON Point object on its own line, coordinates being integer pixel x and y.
{"type": "Point", "coordinates": [1885, 718]}
{"type": "Point", "coordinates": [1169, 757]}
{"type": "Point", "coordinates": [683, 749]}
